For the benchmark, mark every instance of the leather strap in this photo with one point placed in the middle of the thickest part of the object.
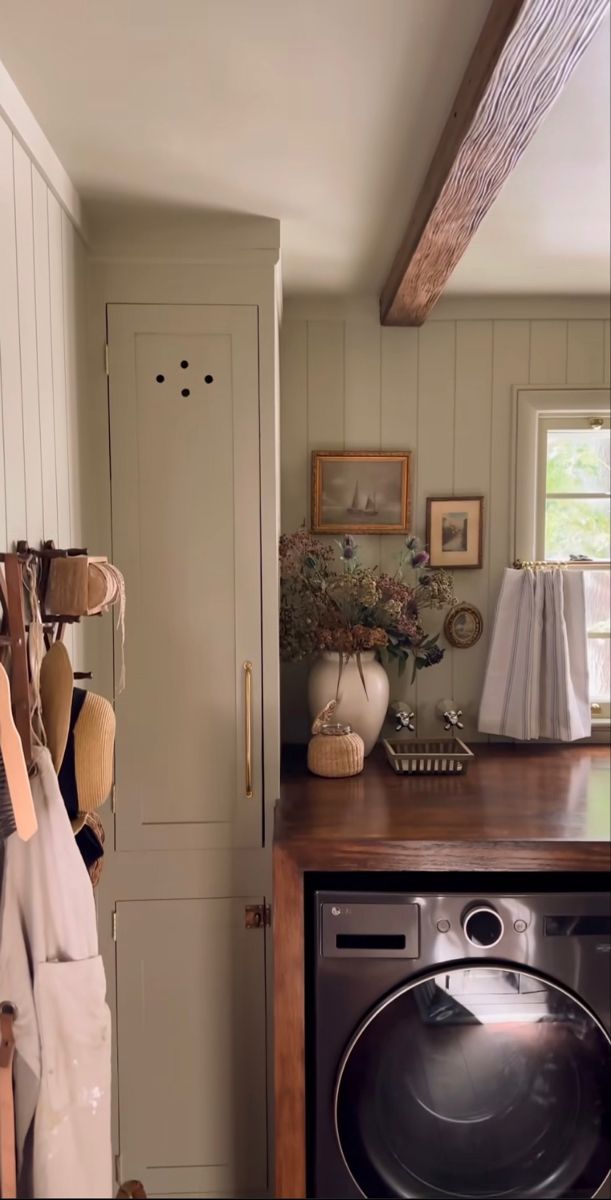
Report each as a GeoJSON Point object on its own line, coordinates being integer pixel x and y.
{"type": "Point", "coordinates": [8, 1165]}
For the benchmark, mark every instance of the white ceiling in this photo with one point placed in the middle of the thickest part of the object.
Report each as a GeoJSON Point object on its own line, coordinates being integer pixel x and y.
{"type": "Point", "coordinates": [323, 113]}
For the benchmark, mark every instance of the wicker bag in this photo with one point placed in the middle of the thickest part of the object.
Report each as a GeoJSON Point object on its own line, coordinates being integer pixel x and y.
{"type": "Point", "coordinates": [334, 750]}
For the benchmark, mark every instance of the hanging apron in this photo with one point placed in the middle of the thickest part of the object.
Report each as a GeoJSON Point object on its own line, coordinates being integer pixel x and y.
{"type": "Point", "coordinates": [50, 970]}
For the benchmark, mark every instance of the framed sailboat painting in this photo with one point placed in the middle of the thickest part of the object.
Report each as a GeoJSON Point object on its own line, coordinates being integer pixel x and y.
{"type": "Point", "coordinates": [360, 491]}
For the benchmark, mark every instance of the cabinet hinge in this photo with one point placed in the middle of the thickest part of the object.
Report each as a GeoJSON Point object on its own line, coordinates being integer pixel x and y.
{"type": "Point", "coordinates": [257, 916]}
{"type": "Point", "coordinates": [114, 925]}
{"type": "Point", "coordinates": [119, 1169]}
{"type": "Point", "coordinates": [106, 361]}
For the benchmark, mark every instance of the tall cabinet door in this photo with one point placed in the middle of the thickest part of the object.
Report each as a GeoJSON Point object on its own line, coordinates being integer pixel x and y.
{"type": "Point", "coordinates": [184, 427]}
{"type": "Point", "coordinates": [191, 1042]}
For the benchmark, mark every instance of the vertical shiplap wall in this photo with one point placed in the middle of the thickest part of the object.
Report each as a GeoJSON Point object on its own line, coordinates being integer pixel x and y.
{"type": "Point", "coordinates": [42, 305]}
{"type": "Point", "coordinates": [443, 392]}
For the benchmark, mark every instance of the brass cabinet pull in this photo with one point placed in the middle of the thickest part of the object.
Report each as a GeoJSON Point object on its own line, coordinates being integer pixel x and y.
{"type": "Point", "coordinates": [248, 729]}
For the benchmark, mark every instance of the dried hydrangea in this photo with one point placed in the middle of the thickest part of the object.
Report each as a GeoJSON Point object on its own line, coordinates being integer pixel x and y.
{"type": "Point", "coordinates": [351, 608]}
{"type": "Point", "coordinates": [435, 590]}
{"type": "Point", "coordinates": [353, 641]}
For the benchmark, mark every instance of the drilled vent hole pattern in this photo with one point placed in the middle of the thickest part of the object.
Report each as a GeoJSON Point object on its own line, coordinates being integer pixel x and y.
{"type": "Point", "coordinates": [184, 391]}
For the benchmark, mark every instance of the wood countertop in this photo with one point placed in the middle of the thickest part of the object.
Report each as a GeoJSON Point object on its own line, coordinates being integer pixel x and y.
{"type": "Point", "coordinates": [520, 808]}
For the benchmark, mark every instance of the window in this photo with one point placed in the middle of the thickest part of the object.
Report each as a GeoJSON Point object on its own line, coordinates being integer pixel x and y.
{"type": "Point", "coordinates": [574, 523]}
{"type": "Point", "coordinates": [562, 509]}
{"type": "Point", "coordinates": [573, 511]}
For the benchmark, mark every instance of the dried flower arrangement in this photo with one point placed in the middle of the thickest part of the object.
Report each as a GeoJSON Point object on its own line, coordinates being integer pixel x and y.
{"type": "Point", "coordinates": [356, 608]}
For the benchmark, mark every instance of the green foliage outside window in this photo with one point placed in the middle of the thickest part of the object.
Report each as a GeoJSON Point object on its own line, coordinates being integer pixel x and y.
{"type": "Point", "coordinates": [578, 461]}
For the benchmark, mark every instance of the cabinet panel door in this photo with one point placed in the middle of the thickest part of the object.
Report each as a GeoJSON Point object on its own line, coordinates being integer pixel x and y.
{"type": "Point", "coordinates": [191, 1041]}
{"type": "Point", "coordinates": [184, 425]}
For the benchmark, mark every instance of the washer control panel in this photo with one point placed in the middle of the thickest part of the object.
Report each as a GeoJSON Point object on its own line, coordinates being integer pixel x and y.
{"type": "Point", "coordinates": [382, 930]}
{"type": "Point", "coordinates": [438, 928]}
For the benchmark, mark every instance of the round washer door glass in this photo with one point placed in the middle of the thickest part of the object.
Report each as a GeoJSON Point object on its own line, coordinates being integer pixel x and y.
{"type": "Point", "coordinates": [479, 1082]}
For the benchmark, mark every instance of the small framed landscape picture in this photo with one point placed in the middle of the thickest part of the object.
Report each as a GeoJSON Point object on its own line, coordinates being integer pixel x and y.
{"type": "Point", "coordinates": [454, 531]}
{"type": "Point", "coordinates": [360, 492]}
{"type": "Point", "coordinates": [463, 626]}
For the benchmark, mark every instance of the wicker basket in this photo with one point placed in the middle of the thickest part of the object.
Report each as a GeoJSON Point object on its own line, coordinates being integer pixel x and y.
{"type": "Point", "coordinates": [435, 756]}
{"type": "Point", "coordinates": [336, 756]}
{"type": "Point", "coordinates": [334, 751]}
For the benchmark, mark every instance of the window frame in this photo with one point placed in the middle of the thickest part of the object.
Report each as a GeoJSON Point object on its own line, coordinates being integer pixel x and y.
{"type": "Point", "coordinates": [535, 411]}
{"type": "Point", "coordinates": [549, 424]}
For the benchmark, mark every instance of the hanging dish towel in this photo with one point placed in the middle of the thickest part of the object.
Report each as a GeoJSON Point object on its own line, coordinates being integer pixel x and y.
{"type": "Point", "coordinates": [536, 683]}
{"type": "Point", "coordinates": [51, 971]}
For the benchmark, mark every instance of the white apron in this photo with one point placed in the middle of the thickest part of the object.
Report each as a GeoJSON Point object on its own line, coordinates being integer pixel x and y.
{"type": "Point", "coordinates": [51, 970]}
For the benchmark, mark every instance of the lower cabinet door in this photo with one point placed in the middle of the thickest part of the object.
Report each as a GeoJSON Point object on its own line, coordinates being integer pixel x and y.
{"type": "Point", "coordinates": [191, 1041]}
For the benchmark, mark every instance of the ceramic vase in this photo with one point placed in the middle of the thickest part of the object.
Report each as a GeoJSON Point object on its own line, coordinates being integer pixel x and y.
{"type": "Point", "coordinates": [364, 712]}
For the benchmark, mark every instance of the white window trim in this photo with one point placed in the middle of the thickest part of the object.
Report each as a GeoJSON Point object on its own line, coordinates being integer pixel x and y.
{"type": "Point", "coordinates": [532, 404]}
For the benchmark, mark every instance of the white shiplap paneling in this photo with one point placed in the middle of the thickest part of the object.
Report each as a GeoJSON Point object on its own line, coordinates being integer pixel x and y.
{"type": "Point", "coordinates": [325, 383]}
{"type": "Point", "coordinates": [362, 386]}
{"type": "Point", "coordinates": [26, 294]}
{"type": "Point", "coordinates": [472, 438]}
{"type": "Point", "coordinates": [41, 303]}
{"type": "Point", "coordinates": [510, 364]}
{"type": "Point", "coordinates": [295, 467]}
{"type": "Point", "coordinates": [398, 413]}
{"type": "Point", "coordinates": [548, 352]}
{"type": "Point", "coordinates": [10, 359]}
{"type": "Point", "coordinates": [362, 412]}
{"type": "Point", "coordinates": [16, 116]}
{"type": "Point", "coordinates": [445, 392]}
{"type": "Point", "coordinates": [435, 450]}
{"type": "Point", "coordinates": [585, 352]}
{"type": "Point", "coordinates": [58, 359]}
{"type": "Point", "coordinates": [72, 337]}
{"type": "Point", "coordinates": [44, 356]}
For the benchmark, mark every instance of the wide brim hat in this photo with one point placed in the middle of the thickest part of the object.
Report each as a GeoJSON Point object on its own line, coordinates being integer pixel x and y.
{"type": "Point", "coordinates": [86, 772]}
{"type": "Point", "coordinates": [56, 684]}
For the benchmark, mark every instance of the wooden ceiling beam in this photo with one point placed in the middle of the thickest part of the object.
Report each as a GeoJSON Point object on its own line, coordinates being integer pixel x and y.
{"type": "Point", "coordinates": [524, 56]}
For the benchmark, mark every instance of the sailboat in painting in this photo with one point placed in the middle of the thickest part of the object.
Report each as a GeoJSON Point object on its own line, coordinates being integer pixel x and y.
{"type": "Point", "coordinates": [362, 506]}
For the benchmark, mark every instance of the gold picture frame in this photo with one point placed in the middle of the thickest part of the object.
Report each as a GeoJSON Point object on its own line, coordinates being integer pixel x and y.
{"type": "Point", "coordinates": [455, 531]}
{"type": "Point", "coordinates": [360, 491]}
{"type": "Point", "coordinates": [463, 626]}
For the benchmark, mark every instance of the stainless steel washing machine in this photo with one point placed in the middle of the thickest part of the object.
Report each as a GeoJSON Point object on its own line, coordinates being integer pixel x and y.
{"type": "Point", "coordinates": [459, 1044]}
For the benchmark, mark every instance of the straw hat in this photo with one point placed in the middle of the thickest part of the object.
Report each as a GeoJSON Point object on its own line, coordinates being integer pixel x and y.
{"type": "Point", "coordinates": [86, 772]}
{"type": "Point", "coordinates": [80, 732]}
{"type": "Point", "coordinates": [56, 684]}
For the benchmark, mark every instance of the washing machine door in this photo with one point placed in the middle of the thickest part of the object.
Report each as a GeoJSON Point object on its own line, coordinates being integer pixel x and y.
{"type": "Point", "coordinates": [478, 1082]}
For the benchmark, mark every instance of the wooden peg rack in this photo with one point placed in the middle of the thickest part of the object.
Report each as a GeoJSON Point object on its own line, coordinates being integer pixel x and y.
{"type": "Point", "coordinates": [44, 556]}
{"type": "Point", "coordinates": [13, 636]}
{"type": "Point", "coordinates": [14, 625]}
